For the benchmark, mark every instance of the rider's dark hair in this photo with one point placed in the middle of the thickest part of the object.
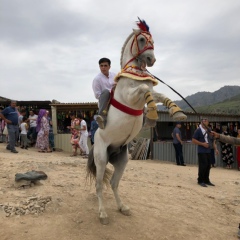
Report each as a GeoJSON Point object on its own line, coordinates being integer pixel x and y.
{"type": "Point", "coordinates": [102, 60]}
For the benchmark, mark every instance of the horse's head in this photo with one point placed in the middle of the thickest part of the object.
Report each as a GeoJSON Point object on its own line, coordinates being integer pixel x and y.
{"type": "Point", "coordinates": [138, 48]}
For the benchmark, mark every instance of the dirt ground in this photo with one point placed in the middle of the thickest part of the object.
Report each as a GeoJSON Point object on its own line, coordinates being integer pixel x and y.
{"type": "Point", "coordinates": [165, 201]}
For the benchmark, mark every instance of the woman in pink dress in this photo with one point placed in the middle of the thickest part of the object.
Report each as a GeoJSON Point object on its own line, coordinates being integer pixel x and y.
{"type": "Point", "coordinates": [43, 131]}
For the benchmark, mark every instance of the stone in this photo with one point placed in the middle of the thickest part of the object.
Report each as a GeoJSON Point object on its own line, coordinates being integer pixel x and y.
{"type": "Point", "coordinates": [31, 176]}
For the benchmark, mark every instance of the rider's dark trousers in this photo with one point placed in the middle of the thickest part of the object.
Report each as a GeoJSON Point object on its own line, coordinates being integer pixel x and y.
{"type": "Point", "coordinates": [103, 102]}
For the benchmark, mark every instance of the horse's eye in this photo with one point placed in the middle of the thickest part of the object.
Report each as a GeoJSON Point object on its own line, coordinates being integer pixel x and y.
{"type": "Point", "coordinates": [142, 39]}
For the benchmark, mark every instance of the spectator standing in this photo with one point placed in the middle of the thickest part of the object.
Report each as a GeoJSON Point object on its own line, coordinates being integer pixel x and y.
{"type": "Point", "coordinates": [10, 116]}
{"type": "Point", "coordinates": [201, 138]}
{"type": "Point", "coordinates": [83, 136]}
{"type": "Point", "coordinates": [74, 121]}
{"type": "Point", "coordinates": [23, 135]}
{"type": "Point", "coordinates": [32, 133]}
{"type": "Point", "coordinates": [20, 118]}
{"type": "Point", "coordinates": [75, 138]}
{"type": "Point", "coordinates": [51, 135]}
{"type": "Point", "coordinates": [228, 139]}
{"type": "Point", "coordinates": [93, 129]}
{"type": "Point", "coordinates": [102, 85]}
{"type": "Point", "coordinates": [177, 143]}
{"type": "Point", "coordinates": [227, 150]}
{"type": "Point", "coordinates": [21, 115]}
{"type": "Point", "coordinates": [43, 131]}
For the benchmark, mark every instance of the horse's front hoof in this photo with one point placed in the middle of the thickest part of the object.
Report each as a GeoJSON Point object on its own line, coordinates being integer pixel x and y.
{"type": "Point", "coordinates": [179, 116]}
{"type": "Point", "coordinates": [104, 221]}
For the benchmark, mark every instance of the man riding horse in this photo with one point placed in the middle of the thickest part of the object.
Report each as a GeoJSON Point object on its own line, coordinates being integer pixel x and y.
{"type": "Point", "coordinates": [102, 85]}
{"type": "Point", "coordinates": [133, 90]}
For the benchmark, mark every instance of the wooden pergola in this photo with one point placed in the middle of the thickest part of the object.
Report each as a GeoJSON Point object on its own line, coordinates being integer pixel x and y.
{"type": "Point", "coordinates": [33, 104]}
{"type": "Point", "coordinates": [75, 106]}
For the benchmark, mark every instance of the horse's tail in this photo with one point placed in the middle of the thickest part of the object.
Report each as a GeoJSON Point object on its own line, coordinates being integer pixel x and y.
{"type": "Point", "coordinates": [92, 170]}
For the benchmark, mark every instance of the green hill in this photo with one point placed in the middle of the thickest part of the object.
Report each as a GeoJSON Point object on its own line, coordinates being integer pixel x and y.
{"type": "Point", "coordinates": [229, 106]}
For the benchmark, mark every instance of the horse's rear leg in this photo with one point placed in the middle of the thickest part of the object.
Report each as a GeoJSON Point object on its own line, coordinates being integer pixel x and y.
{"type": "Point", "coordinates": [119, 162]}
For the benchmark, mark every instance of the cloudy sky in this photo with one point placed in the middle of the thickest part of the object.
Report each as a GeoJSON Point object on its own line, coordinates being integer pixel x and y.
{"type": "Point", "coordinates": [49, 49]}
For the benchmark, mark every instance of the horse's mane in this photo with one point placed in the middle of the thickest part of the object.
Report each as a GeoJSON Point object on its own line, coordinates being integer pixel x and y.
{"type": "Point", "coordinates": [124, 45]}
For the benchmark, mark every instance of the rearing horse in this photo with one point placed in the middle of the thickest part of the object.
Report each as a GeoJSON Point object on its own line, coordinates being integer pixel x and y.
{"type": "Point", "coordinates": [133, 90]}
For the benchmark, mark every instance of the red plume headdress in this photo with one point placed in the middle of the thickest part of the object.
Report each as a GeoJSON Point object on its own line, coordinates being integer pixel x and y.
{"type": "Point", "coordinates": [143, 25]}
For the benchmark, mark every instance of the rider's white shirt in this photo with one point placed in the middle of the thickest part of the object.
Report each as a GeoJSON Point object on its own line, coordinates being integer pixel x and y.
{"type": "Point", "coordinates": [101, 82]}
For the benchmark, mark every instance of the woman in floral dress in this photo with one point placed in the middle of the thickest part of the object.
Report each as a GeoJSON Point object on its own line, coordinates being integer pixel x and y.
{"type": "Point", "coordinates": [43, 131]}
{"type": "Point", "coordinates": [227, 150]}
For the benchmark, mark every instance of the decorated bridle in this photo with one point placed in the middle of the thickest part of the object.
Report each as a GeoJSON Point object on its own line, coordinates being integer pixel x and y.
{"type": "Point", "coordinates": [134, 46]}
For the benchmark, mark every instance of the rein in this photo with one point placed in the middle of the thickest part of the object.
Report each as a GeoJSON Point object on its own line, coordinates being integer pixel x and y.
{"type": "Point", "coordinates": [174, 91]}
{"type": "Point", "coordinates": [208, 129]}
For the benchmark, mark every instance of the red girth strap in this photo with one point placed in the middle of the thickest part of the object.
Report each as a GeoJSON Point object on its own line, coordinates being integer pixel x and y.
{"type": "Point", "coordinates": [124, 108]}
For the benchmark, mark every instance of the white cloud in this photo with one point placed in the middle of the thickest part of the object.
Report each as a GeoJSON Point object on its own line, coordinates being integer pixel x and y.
{"type": "Point", "coordinates": [50, 49]}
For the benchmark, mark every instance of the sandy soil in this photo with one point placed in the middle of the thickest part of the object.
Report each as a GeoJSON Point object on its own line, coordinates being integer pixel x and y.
{"type": "Point", "coordinates": [165, 201]}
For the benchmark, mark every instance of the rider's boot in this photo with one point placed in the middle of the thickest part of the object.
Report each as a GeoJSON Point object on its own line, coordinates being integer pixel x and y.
{"type": "Point", "coordinates": [101, 121]}
{"type": "Point", "coordinates": [103, 109]}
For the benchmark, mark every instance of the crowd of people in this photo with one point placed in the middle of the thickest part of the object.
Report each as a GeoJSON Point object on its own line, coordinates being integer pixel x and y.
{"type": "Point", "coordinates": [19, 130]}
{"type": "Point", "coordinates": [80, 134]}
{"type": "Point", "coordinates": [36, 130]}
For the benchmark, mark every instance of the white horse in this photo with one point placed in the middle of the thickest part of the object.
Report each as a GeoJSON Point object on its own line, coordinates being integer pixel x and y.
{"type": "Point", "coordinates": [133, 90]}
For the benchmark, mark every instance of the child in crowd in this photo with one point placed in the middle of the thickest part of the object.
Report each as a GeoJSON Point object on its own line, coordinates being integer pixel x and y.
{"type": "Point", "coordinates": [75, 137]}
{"type": "Point", "coordinates": [24, 130]}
